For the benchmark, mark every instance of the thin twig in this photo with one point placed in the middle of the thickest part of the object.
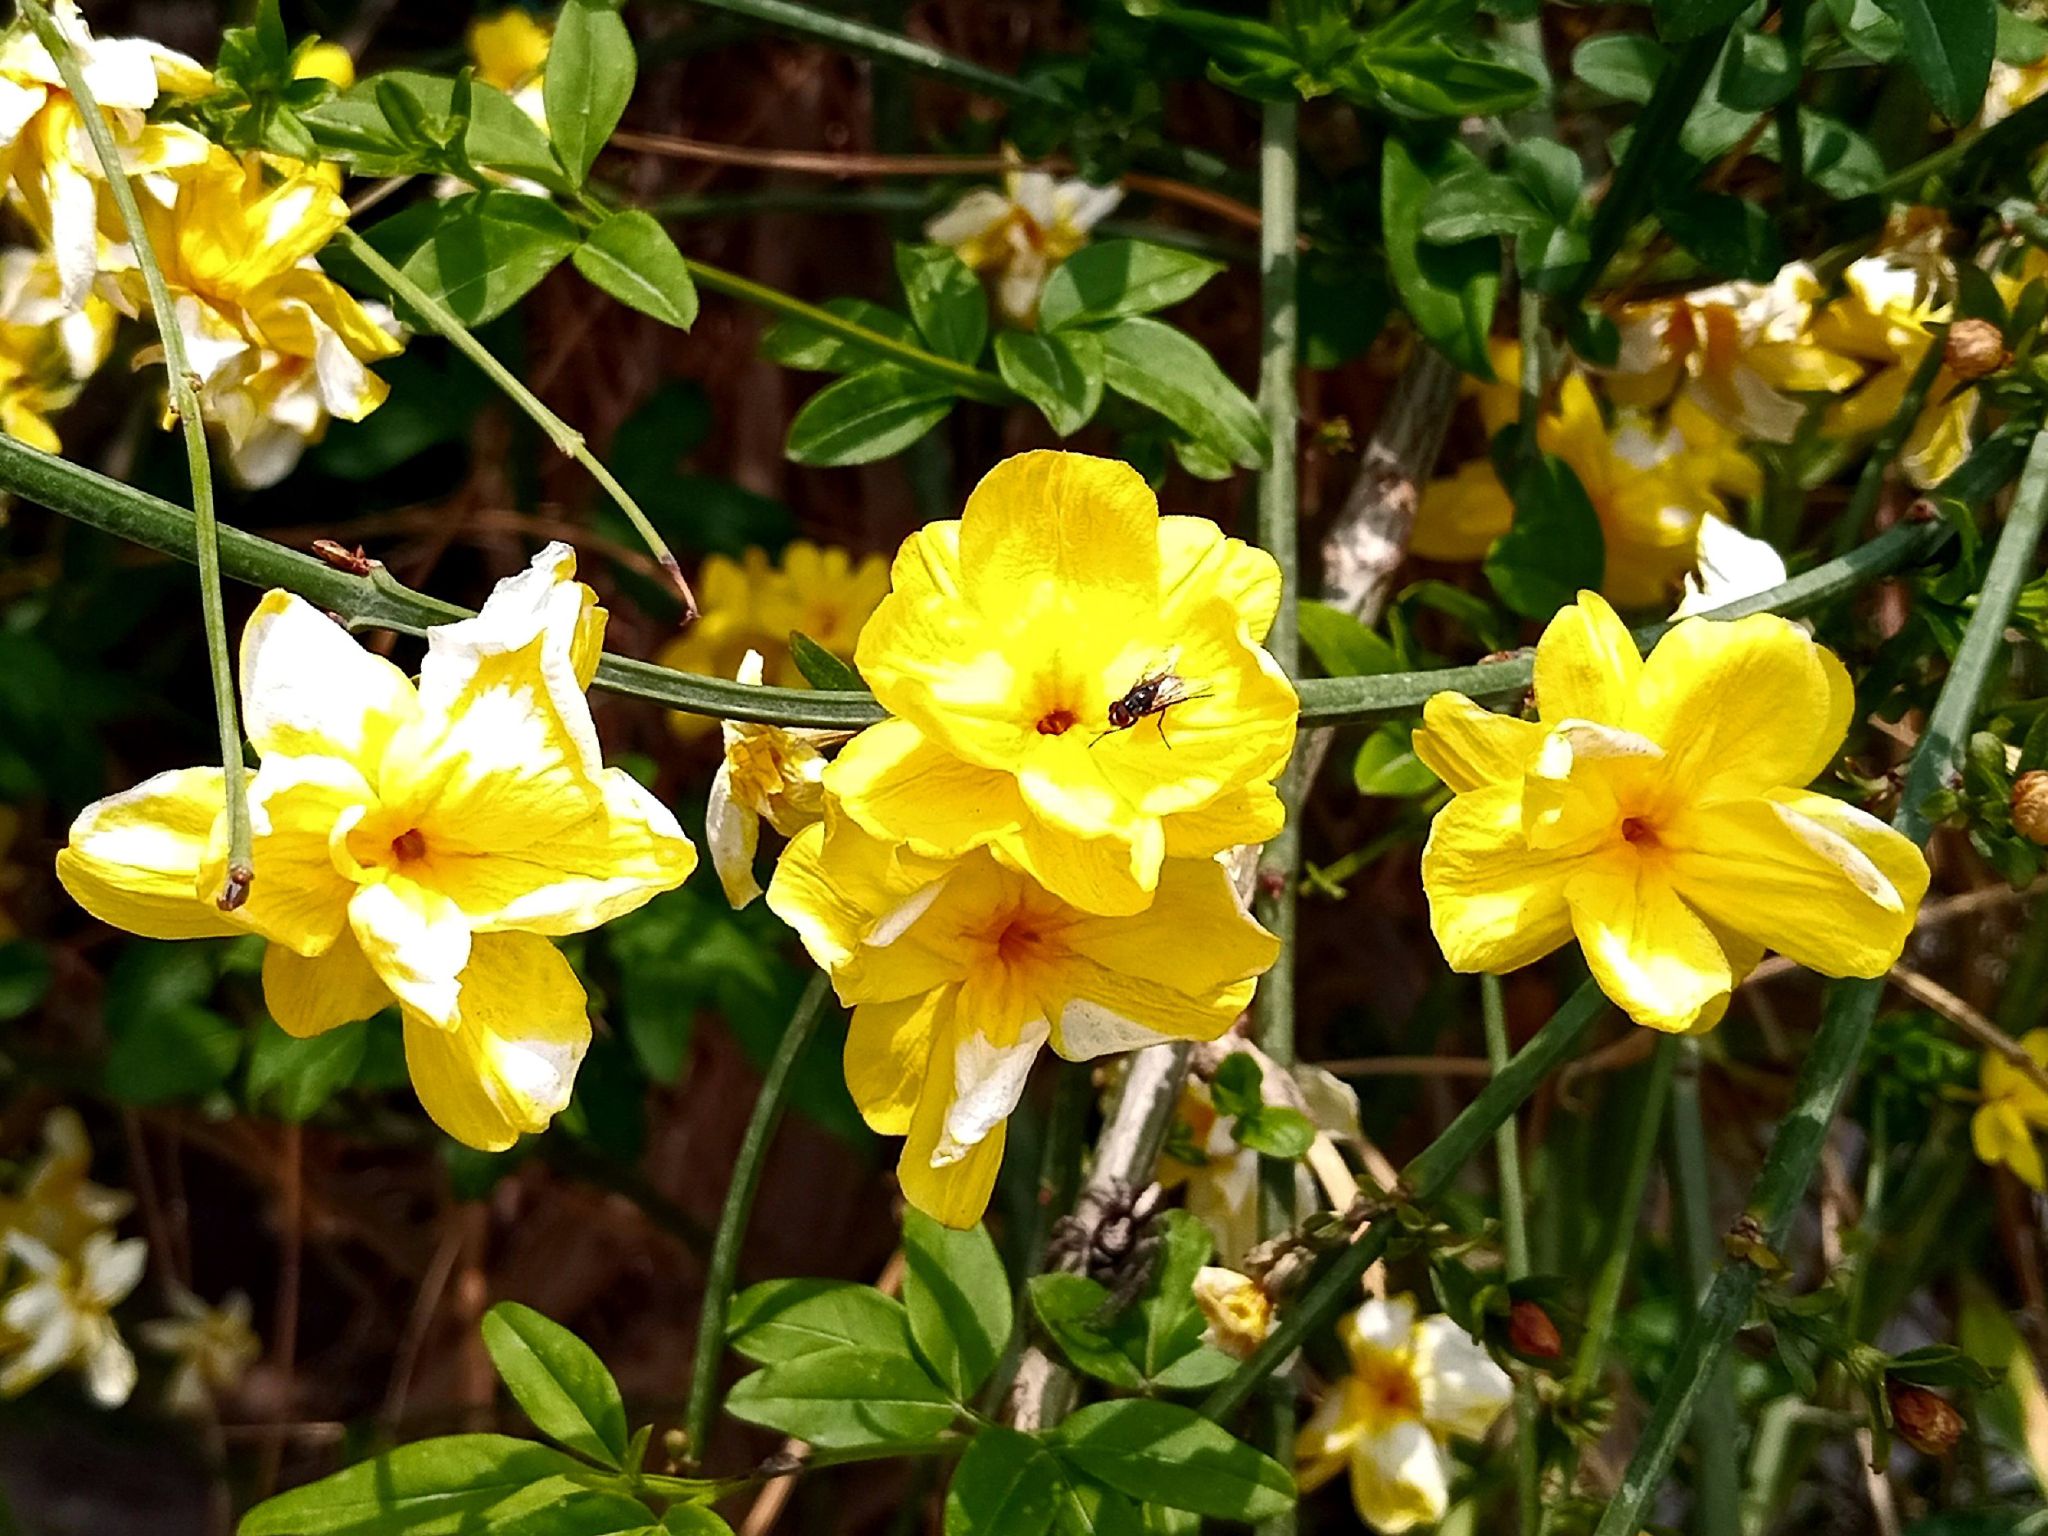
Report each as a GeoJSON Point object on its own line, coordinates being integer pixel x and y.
{"type": "Point", "coordinates": [1932, 994]}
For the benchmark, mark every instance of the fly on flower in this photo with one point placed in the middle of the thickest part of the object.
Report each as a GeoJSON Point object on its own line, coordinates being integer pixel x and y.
{"type": "Point", "coordinates": [1151, 695]}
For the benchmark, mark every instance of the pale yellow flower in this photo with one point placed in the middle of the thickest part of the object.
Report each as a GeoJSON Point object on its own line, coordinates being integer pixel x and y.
{"type": "Point", "coordinates": [417, 844]}
{"type": "Point", "coordinates": [2014, 1108]}
{"type": "Point", "coordinates": [46, 160]}
{"type": "Point", "coordinates": [279, 346]}
{"type": "Point", "coordinates": [1887, 317]}
{"type": "Point", "coordinates": [1415, 1385]}
{"type": "Point", "coordinates": [1237, 1309]}
{"type": "Point", "coordinates": [47, 349]}
{"type": "Point", "coordinates": [61, 1315]}
{"type": "Point", "coordinates": [59, 1206]}
{"type": "Point", "coordinates": [212, 1348]}
{"type": "Point", "coordinates": [1017, 237]}
{"type": "Point", "coordinates": [768, 773]}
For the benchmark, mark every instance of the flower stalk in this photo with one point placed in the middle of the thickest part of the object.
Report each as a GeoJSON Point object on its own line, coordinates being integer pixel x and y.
{"type": "Point", "coordinates": [1717, 1485]}
{"type": "Point", "coordinates": [1514, 1236]}
{"type": "Point", "coordinates": [204, 536]}
{"type": "Point", "coordinates": [1852, 1008]}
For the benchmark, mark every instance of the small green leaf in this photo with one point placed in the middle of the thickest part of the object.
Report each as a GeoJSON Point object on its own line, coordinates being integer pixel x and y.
{"type": "Point", "coordinates": [1761, 71]}
{"type": "Point", "coordinates": [1173, 1323]}
{"type": "Point", "coordinates": [945, 298]}
{"type": "Point", "coordinates": [1160, 367]}
{"type": "Point", "coordinates": [1435, 79]}
{"type": "Point", "coordinates": [781, 1320]}
{"type": "Point", "coordinates": [1234, 1089]}
{"type": "Point", "coordinates": [1450, 290]}
{"type": "Point", "coordinates": [1276, 1131]}
{"type": "Point", "coordinates": [1476, 204]}
{"type": "Point", "coordinates": [1114, 278]}
{"type": "Point", "coordinates": [1387, 766]}
{"type": "Point", "coordinates": [844, 1397]}
{"type": "Point", "coordinates": [584, 1512]}
{"type": "Point", "coordinates": [1162, 1453]}
{"type": "Point", "coordinates": [631, 257]}
{"type": "Point", "coordinates": [1060, 373]}
{"type": "Point", "coordinates": [176, 1051]}
{"type": "Point", "coordinates": [1084, 1508]}
{"type": "Point", "coordinates": [1624, 65]}
{"type": "Point", "coordinates": [866, 416]}
{"type": "Point", "coordinates": [487, 250]}
{"type": "Point", "coordinates": [1006, 1485]}
{"type": "Point", "coordinates": [293, 1078]}
{"type": "Point", "coordinates": [589, 80]}
{"type": "Point", "coordinates": [821, 669]}
{"type": "Point", "coordinates": [1343, 646]}
{"type": "Point", "coordinates": [799, 344]}
{"type": "Point", "coordinates": [1077, 1313]}
{"type": "Point", "coordinates": [1950, 43]}
{"type": "Point", "coordinates": [1680, 21]}
{"type": "Point", "coordinates": [693, 1520]}
{"type": "Point", "coordinates": [559, 1381]}
{"type": "Point", "coordinates": [1730, 235]}
{"type": "Point", "coordinates": [1555, 547]}
{"type": "Point", "coordinates": [958, 1297]}
{"type": "Point", "coordinates": [459, 1483]}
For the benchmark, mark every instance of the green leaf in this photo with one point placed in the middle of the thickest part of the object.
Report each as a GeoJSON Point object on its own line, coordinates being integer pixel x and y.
{"type": "Point", "coordinates": [822, 669]}
{"type": "Point", "coordinates": [24, 977]}
{"type": "Point", "coordinates": [559, 1381]}
{"type": "Point", "coordinates": [1235, 1088]}
{"type": "Point", "coordinates": [693, 1520]}
{"type": "Point", "coordinates": [1555, 547]}
{"type": "Point", "coordinates": [946, 300]}
{"type": "Point", "coordinates": [1435, 79]}
{"type": "Point", "coordinates": [1160, 367]}
{"type": "Point", "coordinates": [1060, 373]}
{"type": "Point", "coordinates": [294, 1078]}
{"type": "Point", "coordinates": [867, 415]}
{"type": "Point", "coordinates": [1084, 1508]}
{"type": "Point", "coordinates": [1624, 65]}
{"type": "Point", "coordinates": [1950, 44]}
{"type": "Point", "coordinates": [1479, 205]}
{"type": "Point", "coordinates": [1111, 279]}
{"type": "Point", "coordinates": [845, 1397]}
{"type": "Point", "coordinates": [487, 250]}
{"type": "Point", "coordinates": [1077, 1312]}
{"type": "Point", "coordinates": [589, 80]}
{"type": "Point", "coordinates": [1387, 766]}
{"type": "Point", "coordinates": [781, 1320]}
{"type": "Point", "coordinates": [1006, 1485]}
{"type": "Point", "coordinates": [958, 1297]}
{"type": "Point", "coordinates": [1342, 646]}
{"type": "Point", "coordinates": [631, 257]}
{"type": "Point", "coordinates": [1173, 1323]}
{"type": "Point", "coordinates": [1276, 1131]}
{"type": "Point", "coordinates": [441, 1487]}
{"type": "Point", "coordinates": [1730, 235]}
{"type": "Point", "coordinates": [177, 1051]}
{"type": "Point", "coordinates": [799, 344]}
{"type": "Point", "coordinates": [1196, 1371]}
{"type": "Point", "coordinates": [355, 128]}
{"type": "Point", "coordinates": [1449, 291]}
{"type": "Point", "coordinates": [584, 1512]}
{"type": "Point", "coordinates": [1680, 21]}
{"type": "Point", "coordinates": [1162, 1453]}
{"type": "Point", "coordinates": [1761, 70]}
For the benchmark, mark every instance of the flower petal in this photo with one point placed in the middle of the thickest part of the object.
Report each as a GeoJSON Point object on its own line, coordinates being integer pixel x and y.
{"type": "Point", "coordinates": [1999, 1134]}
{"type": "Point", "coordinates": [1743, 707]}
{"type": "Point", "coordinates": [1400, 1478]}
{"type": "Point", "coordinates": [308, 997]}
{"type": "Point", "coordinates": [1587, 665]}
{"type": "Point", "coordinates": [853, 900]}
{"type": "Point", "coordinates": [1096, 874]}
{"type": "Point", "coordinates": [308, 689]}
{"type": "Point", "coordinates": [732, 832]}
{"type": "Point", "coordinates": [1816, 880]}
{"type": "Point", "coordinates": [1494, 902]}
{"type": "Point", "coordinates": [509, 1066]}
{"type": "Point", "coordinates": [1649, 951]}
{"type": "Point", "coordinates": [988, 1080]}
{"type": "Point", "coordinates": [1060, 523]}
{"type": "Point", "coordinates": [1196, 936]}
{"type": "Point", "coordinates": [1467, 745]}
{"type": "Point", "coordinates": [133, 859]}
{"type": "Point", "coordinates": [1463, 1390]}
{"type": "Point", "coordinates": [888, 1047]}
{"type": "Point", "coordinates": [899, 785]}
{"type": "Point", "coordinates": [957, 1192]}
{"type": "Point", "coordinates": [417, 941]}
{"type": "Point", "coordinates": [296, 806]}
{"type": "Point", "coordinates": [1197, 562]}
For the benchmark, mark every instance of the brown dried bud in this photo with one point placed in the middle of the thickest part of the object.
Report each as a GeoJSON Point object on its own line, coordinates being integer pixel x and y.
{"type": "Point", "coordinates": [1532, 1333]}
{"type": "Point", "coordinates": [1975, 348]}
{"type": "Point", "coordinates": [2030, 806]}
{"type": "Point", "coordinates": [1925, 1419]}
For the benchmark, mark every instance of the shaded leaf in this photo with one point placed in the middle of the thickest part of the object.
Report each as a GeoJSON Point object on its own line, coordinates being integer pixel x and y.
{"type": "Point", "coordinates": [559, 1381]}
{"type": "Point", "coordinates": [957, 1295]}
{"type": "Point", "coordinates": [866, 416]}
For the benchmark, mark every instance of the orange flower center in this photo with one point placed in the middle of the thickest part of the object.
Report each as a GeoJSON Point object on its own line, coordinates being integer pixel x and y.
{"type": "Point", "coordinates": [409, 846]}
{"type": "Point", "coordinates": [1638, 831]}
{"type": "Point", "coordinates": [1057, 722]}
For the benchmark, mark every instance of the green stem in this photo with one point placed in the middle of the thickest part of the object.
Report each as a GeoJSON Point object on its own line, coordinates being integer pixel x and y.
{"type": "Point", "coordinates": [739, 1203]}
{"type": "Point", "coordinates": [1852, 1007]}
{"type": "Point", "coordinates": [1425, 1178]}
{"type": "Point", "coordinates": [1603, 1304]}
{"type": "Point", "coordinates": [1514, 1232]}
{"type": "Point", "coordinates": [1651, 137]}
{"type": "Point", "coordinates": [1717, 1481]}
{"type": "Point", "coordinates": [1791, 137]}
{"type": "Point", "coordinates": [379, 601]}
{"type": "Point", "coordinates": [1529, 328]}
{"type": "Point", "coordinates": [1884, 448]}
{"type": "Point", "coordinates": [203, 540]}
{"type": "Point", "coordinates": [565, 437]}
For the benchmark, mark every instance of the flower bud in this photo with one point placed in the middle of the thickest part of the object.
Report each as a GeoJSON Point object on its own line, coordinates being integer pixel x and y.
{"type": "Point", "coordinates": [1239, 1311]}
{"type": "Point", "coordinates": [2030, 806]}
{"type": "Point", "coordinates": [1532, 1333]}
{"type": "Point", "coordinates": [1925, 1419]}
{"type": "Point", "coordinates": [1975, 348]}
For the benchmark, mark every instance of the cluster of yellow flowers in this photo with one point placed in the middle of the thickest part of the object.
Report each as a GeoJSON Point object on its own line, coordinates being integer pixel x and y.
{"type": "Point", "coordinates": [1700, 375]}
{"type": "Point", "coordinates": [278, 347]}
{"type": "Point", "coordinates": [66, 1271]}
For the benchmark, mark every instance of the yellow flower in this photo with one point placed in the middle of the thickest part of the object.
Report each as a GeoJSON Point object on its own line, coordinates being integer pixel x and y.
{"type": "Point", "coordinates": [325, 61]}
{"type": "Point", "coordinates": [1739, 352]}
{"type": "Point", "coordinates": [412, 843]}
{"type": "Point", "coordinates": [511, 50]}
{"type": "Point", "coordinates": [48, 162]}
{"type": "Point", "coordinates": [1887, 318]}
{"type": "Point", "coordinates": [278, 345]}
{"type": "Point", "coordinates": [47, 351]}
{"type": "Point", "coordinates": [1650, 489]}
{"type": "Point", "coordinates": [768, 774]}
{"type": "Point", "coordinates": [213, 1348]}
{"type": "Point", "coordinates": [1415, 1384]}
{"type": "Point", "coordinates": [1238, 1311]}
{"type": "Point", "coordinates": [1005, 641]}
{"type": "Point", "coordinates": [2002, 1130]}
{"type": "Point", "coordinates": [1655, 811]}
{"type": "Point", "coordinates": [1017, 237]}
{"type": "Point", "coordinates": [62, 1315]}
{"type": "Point", "coordinates": [2012, 87]}
{"type": "Point", "coordinates": [958, 973]}
{"type": "Point", "coordinates": [754, 605]}
{"type": "Point", "coordinates": [59, 1205]}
